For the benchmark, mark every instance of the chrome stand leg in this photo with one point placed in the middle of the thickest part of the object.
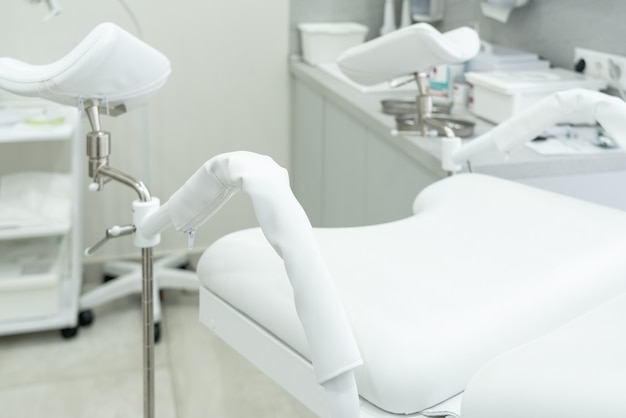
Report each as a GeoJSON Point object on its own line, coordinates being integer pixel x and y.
{"type": "Point", "coordinates": [148, 332]}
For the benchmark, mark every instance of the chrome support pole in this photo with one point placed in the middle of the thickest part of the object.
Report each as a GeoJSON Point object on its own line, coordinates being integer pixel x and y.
{"type": "Point", "coordinates": [98, 150]}
{"type": "Point", "coordinates": [423, 103]}
{"type": "Point", "coordinates": [148, 332]}
{"type": "Point", "coordinates": [147, 288]}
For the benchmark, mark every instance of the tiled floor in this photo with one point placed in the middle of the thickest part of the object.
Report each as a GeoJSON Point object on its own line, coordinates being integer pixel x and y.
{"type": "Point", "coordinates": [98, 373]}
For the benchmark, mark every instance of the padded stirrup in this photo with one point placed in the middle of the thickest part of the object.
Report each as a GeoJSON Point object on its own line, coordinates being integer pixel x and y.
{"type": "Point", "coordinates": [409, 50]}
{"type": "Point", "coordinates": [110, 65]}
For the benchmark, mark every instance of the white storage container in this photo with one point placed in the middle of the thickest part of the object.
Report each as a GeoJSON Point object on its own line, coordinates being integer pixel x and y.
{"type": "Point", "coordinates": [500, 95]}
{"type": "Point", "coordinates": [324, 42]}
{"type": "Point", "coordinates": [499, 58]}
{"type": "Point", "coordinates": [30, 277]}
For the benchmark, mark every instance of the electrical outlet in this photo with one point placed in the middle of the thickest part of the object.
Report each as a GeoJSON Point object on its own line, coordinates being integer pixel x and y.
{"type": "Point", "coordinates": [611, 68]}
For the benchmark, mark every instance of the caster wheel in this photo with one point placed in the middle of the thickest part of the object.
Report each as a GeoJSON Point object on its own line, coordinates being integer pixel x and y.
{"type": "Point", "coordinates": [68, 333]}
{"type": "Point", "coordinates": [157, 332]}
{"type": "Point", "coordinates": [107, 278]}
{"type": "Point", "coordinates": [85, 318]}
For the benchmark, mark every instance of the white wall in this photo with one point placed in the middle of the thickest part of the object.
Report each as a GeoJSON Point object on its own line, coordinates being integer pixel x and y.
{"type": "Point", "coordinates": [228, 91]}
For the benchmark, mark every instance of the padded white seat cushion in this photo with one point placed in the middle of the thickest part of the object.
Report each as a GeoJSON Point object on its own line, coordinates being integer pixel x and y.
{"type": "Point", "coordinates": [483, 266]}
{"type": "Point", "coordinates": [577, 371]}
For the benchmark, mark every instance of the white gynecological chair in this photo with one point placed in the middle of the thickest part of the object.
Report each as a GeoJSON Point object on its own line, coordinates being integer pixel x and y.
{"type": "Point", "coordinates": [368, 321]}
{"type": "Point", "coordinates": [436, 301]}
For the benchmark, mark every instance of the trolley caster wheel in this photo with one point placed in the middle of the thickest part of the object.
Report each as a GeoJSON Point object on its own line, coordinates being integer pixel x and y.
{"type": "Point", "coordinates": [85, 318]}
{"type": "Point", "coordinates": [157, 332]}
{"type": "Point", "coordinates": [184, 266]}
{"type": "Point", "coordinates": [107, 278]}
{"type": "Point", "coordinates": [68, 333]}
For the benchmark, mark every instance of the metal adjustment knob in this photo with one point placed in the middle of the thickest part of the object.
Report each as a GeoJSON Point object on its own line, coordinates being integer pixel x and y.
{"type": "Point", "coordinates": [113, 232]}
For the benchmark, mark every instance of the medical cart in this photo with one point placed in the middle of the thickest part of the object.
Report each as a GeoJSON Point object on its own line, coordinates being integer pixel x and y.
{"type": "Point", "coordinates": [40, 218]}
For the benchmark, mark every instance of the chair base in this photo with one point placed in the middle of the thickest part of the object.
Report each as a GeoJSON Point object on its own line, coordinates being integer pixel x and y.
{"type": "Point", "coordinates": [167, 275]}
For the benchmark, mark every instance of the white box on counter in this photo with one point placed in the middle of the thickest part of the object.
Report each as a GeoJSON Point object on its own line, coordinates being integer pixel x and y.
{"type": "Point", "coordinates": [324, 42]}
{"type": "Point", "coordinates": [500, 58]}
{"type": "Point", "coordinates": [499, 95]}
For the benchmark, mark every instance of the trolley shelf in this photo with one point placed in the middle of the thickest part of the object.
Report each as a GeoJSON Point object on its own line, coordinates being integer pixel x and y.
{"type": "Point", "coordinates": [36, 122]}
{"type": "Point", "coordinates": [40, 212]}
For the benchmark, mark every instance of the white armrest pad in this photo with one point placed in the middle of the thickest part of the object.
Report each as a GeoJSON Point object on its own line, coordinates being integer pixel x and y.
{"type": "Point", "coordinates": [287, 229]}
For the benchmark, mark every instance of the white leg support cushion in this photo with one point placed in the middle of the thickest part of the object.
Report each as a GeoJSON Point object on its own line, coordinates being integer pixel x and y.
{"type": "Point", "coordinates": [109, 65]}
{"type": "Point", "coordinates": [406, 51]}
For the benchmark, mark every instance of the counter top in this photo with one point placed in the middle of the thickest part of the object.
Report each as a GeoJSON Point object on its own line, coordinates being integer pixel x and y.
{"type": "Point", "coordinates": [523, 162]}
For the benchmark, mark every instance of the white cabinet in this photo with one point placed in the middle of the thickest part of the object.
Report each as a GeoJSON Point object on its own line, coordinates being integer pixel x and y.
{"type": "Point", "coordinates": [344, 173]}
{"type": "Point", "coordinates": [40, 214]}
